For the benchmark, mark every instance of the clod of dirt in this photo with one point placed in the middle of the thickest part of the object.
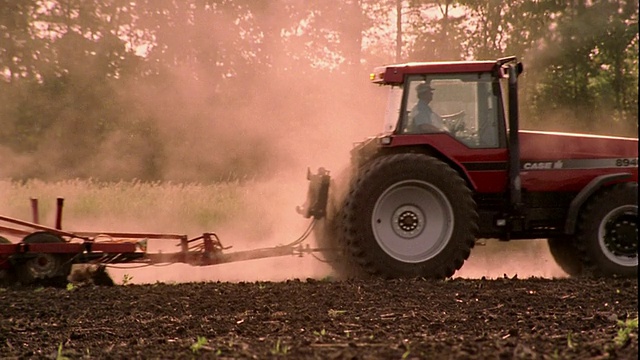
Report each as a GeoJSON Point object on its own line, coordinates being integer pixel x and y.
{"type": "Point", "coordinates": [90, 275]}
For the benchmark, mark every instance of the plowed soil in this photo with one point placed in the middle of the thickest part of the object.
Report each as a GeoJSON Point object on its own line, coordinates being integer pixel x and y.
{"type": "Point", "coordinates": [455, 319]}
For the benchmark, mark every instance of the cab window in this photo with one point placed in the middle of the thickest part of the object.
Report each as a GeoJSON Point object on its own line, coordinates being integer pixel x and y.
{"type": "Point", "coordinates": [464, 105]}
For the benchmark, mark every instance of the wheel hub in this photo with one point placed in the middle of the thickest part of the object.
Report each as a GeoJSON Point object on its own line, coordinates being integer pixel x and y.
{"type": "Point", "coordinates": [43, 266]}
{"type": "Point", "coordinates": [408, 221]}
{"type": "Point", "coordinates": [622, 236]}
{"type": "Point", "coordinates": [618, 235]}
{"type": "Point", "coordinates": [412, 221]}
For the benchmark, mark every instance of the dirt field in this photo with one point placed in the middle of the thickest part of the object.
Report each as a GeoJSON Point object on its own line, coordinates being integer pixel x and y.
{"type": "Point", "coordinates": [457, 319]}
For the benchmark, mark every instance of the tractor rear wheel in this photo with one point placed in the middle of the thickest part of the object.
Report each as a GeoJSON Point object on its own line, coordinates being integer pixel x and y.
{"type": "Point", "coordinates": [409, 215]}
{"type": "Point", "coordinates": [566, 255]}
{"type": "Point", "coordinates": [45, 268]}
{"type": "Point", "coordinates": [608, 232]}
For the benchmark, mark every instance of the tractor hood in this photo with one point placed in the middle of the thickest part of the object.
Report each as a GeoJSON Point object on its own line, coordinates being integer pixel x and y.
{"type": "Point", "coordinates": [540, 145]}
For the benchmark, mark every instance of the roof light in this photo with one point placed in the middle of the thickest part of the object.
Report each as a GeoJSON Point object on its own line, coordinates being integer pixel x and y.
{"type": "Point", "coordinates": [385, 140]}
{"type": "Point", "coordinates": [376, 76]}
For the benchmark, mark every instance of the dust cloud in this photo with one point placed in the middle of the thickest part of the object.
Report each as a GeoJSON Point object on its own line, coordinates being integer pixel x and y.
{"type": "Point", "coordinates": [266, 135]}
{"type": "Point", "coordinates": [565, 120]}
{"type": "Point", "coordinates": [522, 258]}
{"type": "Point", "coordinates": [276, 133]}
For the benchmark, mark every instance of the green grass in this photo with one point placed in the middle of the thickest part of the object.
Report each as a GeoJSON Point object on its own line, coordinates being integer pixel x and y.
{"type": "Point", "coordinates": [172, 206]}
{"type": "Point", "coordinates": [279, 348]}
{"type": "Point", "coordinates": [126, 279]}
{"type": "Point", "coordinates": [59, 355]}
{"type": "Point", "coordinates": [625, 328]}
{"type": "Point", "coordinates": [201, 341]}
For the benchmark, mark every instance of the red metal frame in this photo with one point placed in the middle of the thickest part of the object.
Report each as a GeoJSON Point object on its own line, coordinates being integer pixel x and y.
{"type": "Point", "coordinates": [534, 146]}
{"type": "Point", "coordinates": [128, 247]}
{"type": "Point", "coordinates": [120, 242]}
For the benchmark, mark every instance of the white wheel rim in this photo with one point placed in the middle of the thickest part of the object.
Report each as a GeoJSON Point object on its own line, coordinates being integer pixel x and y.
{"type": "Point", "coordinates": [607, 233]}
{"type": "Point", "coordinates": [412, 221]}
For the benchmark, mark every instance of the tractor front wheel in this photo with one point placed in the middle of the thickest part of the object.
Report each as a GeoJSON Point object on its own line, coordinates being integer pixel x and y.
{"type": "Point", "coordinates": [608, 232]}
{"type": "Point", "coordinates": [409, 215]}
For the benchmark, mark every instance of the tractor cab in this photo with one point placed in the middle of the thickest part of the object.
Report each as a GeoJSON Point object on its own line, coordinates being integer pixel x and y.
{"type": "Point", "coordinates": [461, 99]}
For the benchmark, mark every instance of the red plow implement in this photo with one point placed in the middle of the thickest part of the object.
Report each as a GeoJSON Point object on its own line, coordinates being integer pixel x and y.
{"type": "Point", "coordinates": [45, 255]}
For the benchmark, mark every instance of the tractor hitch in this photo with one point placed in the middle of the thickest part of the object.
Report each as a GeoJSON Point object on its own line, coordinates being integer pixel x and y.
{"type": "Point", "coordinates": [317, 196]}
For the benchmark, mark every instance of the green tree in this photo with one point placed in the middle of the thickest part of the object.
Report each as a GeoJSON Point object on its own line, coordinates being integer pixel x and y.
{"type": "Point", "coordinates": [18, 45]}
{"type": "Point", "coordinates": [586, 72]}
{"type": "Point", "coordinates": [437, 32]}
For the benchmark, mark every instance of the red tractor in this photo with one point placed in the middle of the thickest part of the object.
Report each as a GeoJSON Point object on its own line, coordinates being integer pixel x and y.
{"type": "Point", "coordinates": [452, 166]}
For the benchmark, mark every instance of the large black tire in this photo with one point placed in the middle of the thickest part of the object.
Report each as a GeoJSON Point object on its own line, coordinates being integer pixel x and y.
{"type": "Point", "coordinates": [43, 268]}
{"type": "Point", "coordinates": [607, 233]}
{"type": "Point", "coordinates": [566, 255]}
{"type": "Point", "coordinates": [409, 215]}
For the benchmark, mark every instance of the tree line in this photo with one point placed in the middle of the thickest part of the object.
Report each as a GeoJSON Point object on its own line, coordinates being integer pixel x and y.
{"type": "Point", "coordinates": [173, 90]}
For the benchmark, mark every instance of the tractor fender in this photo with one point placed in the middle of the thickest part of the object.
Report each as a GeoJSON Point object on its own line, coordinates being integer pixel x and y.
{"type": "Point", "coordinates": [429, 149]}
{"type": "Point", "coordinates": [594, 185]}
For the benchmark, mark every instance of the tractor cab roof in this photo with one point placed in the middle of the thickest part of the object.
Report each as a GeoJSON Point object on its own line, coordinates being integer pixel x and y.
{"type": "Point", "coordinates": [394, 74]}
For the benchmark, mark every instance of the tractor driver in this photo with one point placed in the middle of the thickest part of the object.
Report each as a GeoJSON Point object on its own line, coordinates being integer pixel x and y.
{"type": "Point", "coordinates": [422, 117]}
